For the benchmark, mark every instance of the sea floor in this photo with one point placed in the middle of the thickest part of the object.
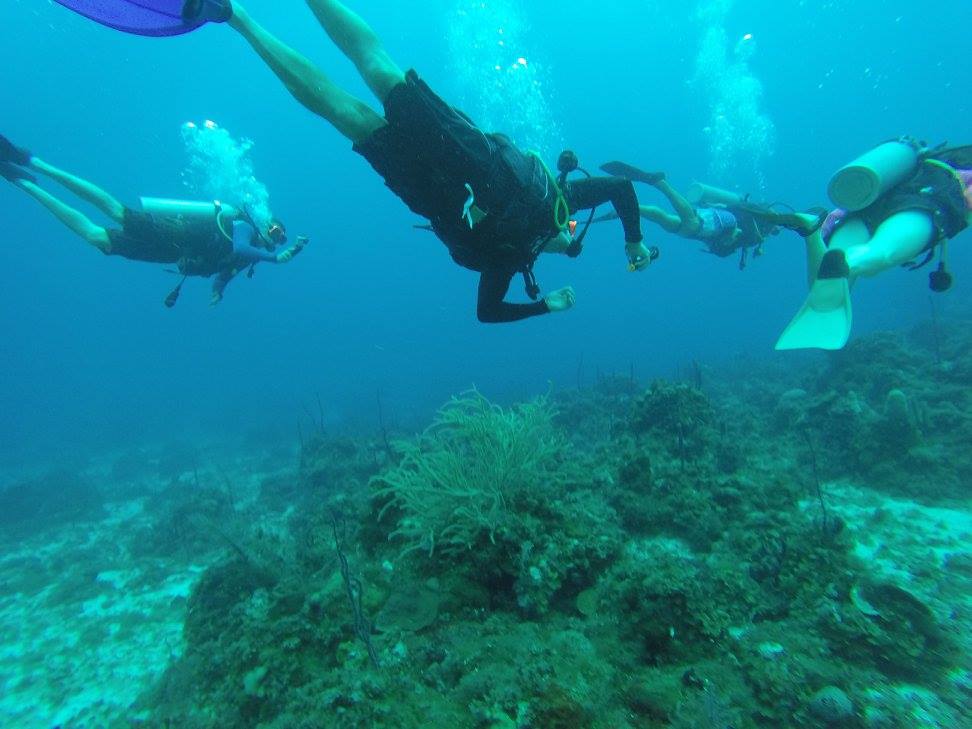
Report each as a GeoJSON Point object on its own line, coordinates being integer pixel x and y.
{"type": "Point", "coordinates": [776, 548]}
{"type": "Point", "coordinates": [88, 626]}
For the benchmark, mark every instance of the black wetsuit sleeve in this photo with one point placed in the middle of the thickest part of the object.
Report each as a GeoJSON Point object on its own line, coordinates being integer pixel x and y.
{"type": "Point", "coordinates": [587, 193]}
{"type": "Point", "coordinates": [492, 309]}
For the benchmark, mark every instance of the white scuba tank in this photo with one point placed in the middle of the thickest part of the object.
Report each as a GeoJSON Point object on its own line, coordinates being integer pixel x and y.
{"type": "Point", "coordinates": [857, 185]}
{"type": "Point", "coordinates": [700, 194]}
{"type": "Point", "coordinates": [191, 210]}
{"type": "Point", "coordinates": [185, 209]}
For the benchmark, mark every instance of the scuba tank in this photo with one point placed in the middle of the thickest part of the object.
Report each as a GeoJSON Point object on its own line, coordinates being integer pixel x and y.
{"type": "Point", "coordinates": [185, 209]}
{"type": "Point", "coordinates": [859, 184]}
{"type": "Point", "coordinates": [701, 194]}
{"type": "Point", "coordinates": [195, 211]}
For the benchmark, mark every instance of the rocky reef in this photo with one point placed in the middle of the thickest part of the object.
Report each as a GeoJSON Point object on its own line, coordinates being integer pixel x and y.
{"type": "Point", "coordinates": [769, 545]}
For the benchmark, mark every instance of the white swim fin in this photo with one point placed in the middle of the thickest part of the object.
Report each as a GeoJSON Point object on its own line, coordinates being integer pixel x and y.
{"type": "Point", "coordinates": [824, 320]}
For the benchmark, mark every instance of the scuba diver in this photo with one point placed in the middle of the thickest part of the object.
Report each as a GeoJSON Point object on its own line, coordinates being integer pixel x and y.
{"type": "Point", "coordinates": [894, 203]}
{"type": "Point", "coordinates": [724, 221]}
{"type": "Point", "coordinates": [200, 238]}
{"type": "Point", "coordinates": [494, 207]}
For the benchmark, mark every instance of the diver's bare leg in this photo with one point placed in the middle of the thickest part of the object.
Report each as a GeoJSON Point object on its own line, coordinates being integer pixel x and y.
{"type": "Point", "coordinates": [684, 209]}
{"type": "Point", "coordinates": [897, 240]}
{"type": "Point", "coordinates": [307, 83]}
{"type": "Point", "coordinates": [85, 190]}
{"type": "Point", "coordinates": [816, 248]}
{"type": "Point", "coordinates": [77, 221]}
{"type": "Point", "coordinates": [815, 244]}
{"type": "Point", "coordinates": [668, 222]}
{"type": "Point", "coordinates": [356, 40]}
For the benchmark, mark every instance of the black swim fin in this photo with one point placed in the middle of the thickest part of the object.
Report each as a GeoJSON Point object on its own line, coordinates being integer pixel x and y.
{"type": "Point", "coordinates": [12, 173]}
{"type": "Point", "coordinates": [210, 11]}
{"type": "Point", "coordinates": [799, 225]}
{"type": "Point", "coordinates": [796, 222]}
{"type": "Point", "coordinates": [10, 152]}
{"type": "Point", "coordinates": [623, 169]}
{"type": "Point", "coordinates": [960, 157]}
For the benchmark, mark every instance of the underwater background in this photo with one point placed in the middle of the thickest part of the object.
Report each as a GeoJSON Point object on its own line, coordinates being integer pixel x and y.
{"type": "Point", "coordinates": [181, 481]}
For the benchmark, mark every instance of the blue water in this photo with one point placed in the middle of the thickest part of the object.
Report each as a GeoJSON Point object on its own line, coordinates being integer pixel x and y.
{"type": "Point", "coordinates": [91, 358]}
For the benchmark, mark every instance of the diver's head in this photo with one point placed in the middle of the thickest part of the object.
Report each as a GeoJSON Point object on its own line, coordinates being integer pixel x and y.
{"type": "Point", "coordinates": [567, 162]}
{"type": "Point", "coordinates": [276, 232]}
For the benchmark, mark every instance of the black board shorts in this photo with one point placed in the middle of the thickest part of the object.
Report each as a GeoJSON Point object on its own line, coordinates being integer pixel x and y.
{"type": "Point", "coordinates": [431, 155]}
{"type": "Point", "coordinates": [420, 150]}
{"type": "Point", "coordinates": [932, 190]}
{"type": "Point", "coordinates": [143, 237]}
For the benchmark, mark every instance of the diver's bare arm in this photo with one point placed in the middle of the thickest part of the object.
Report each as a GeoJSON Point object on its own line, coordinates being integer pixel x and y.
{"type": "Point", "coordinates": [307, 83]}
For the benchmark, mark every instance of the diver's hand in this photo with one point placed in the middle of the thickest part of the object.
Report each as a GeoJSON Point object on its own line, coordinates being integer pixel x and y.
{"type": "Point", "coordinates": [639, 256]}
{"type": "Point", "coordinates": [215, 298]}
{"type": "Point", "coordinates": [285, 255]}
{"type": "Point", "coordinates": [560, 300]}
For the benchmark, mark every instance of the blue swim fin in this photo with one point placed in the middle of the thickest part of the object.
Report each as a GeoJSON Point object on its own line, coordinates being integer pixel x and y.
{"type": "Point", "coordinates": [152, 17]}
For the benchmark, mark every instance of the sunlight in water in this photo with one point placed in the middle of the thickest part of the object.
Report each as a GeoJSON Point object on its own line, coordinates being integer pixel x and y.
{"type": "Point", "coordinates": [740, 134]}
{"type": "Point", "coordinates": [500, 88]}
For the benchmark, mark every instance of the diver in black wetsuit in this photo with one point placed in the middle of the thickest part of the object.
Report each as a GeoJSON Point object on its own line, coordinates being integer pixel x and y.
{"type": "Point", "coordinates": [494, 207]}
{"type": "Point", "coordinates": [585, 194]}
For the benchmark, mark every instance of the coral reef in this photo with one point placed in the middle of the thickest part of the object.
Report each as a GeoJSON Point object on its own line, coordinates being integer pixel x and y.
{"type": "Point", "coordinates": [774, 546]}
{"type": "Point", "coordinates": [47, 501]}
{"type": "Point", "coordinates": [459, 483]}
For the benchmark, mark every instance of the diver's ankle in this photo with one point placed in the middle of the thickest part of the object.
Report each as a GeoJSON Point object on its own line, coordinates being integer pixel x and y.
{"type": "Point", "coordinates": [238, 16]}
